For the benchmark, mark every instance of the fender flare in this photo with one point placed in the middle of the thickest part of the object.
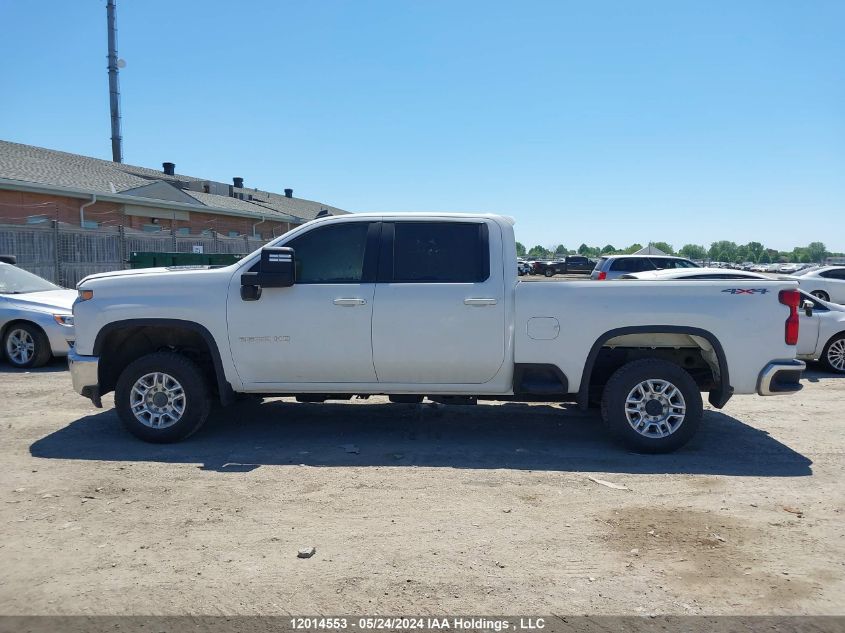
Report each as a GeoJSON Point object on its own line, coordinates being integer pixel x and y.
{"type": "Point", "coordinates": [718, 397]}
{"type": "Point", "coordinates": [227, 393]}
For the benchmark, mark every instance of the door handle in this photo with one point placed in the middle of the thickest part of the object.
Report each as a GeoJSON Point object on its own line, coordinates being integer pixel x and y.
{"type": "Point", "coordinates": [480, 302]}
{"type": "Point", "coordinates": [349, 302]}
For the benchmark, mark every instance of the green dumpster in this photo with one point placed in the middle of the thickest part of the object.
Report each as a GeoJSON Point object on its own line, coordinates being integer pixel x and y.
{"type": "Point", "coordinates": [146, 259]}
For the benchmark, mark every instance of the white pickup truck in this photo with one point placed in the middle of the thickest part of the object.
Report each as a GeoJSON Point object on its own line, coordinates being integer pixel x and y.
{"type": "Point", "coordinates": [425, 305]}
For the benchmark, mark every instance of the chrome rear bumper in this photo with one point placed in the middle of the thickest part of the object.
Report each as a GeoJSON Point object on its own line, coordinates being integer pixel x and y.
{"type": "Point", "coordinates": [781, 377]}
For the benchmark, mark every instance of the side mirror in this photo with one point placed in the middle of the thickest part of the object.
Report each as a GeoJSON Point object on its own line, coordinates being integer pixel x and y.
{"type": "Point", "coordinates": [808, 307]}
{"type": "Point", "coordinates": [275, 270]}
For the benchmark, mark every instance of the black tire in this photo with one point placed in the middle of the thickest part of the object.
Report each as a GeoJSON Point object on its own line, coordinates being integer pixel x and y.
{"type": "Point", "coordinates": [831, 356]}
{"type": "Point", "coordinates": [196, 403]}
{"type": "Point", "coordinates": [625, 380]}
{"type": "Point", "coordinates": [39, 355]}
{"type": "Point", "coordinates": [549, 272]}
{"type": "Point", "coordinates": [821, 294]}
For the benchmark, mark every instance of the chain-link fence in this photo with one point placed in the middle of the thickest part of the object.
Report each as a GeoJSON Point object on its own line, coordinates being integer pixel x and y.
{"type": "Point", "coordinates": [64, 254]}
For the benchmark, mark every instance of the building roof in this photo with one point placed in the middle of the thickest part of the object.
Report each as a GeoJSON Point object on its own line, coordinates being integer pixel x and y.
{"type": "Point", "coordinates": [650, 250]}
{"type": "Point", "coordinates": [47, 167]}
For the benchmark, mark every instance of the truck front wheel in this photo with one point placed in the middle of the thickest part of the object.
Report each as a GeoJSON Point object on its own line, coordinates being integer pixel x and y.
{"type": "Point", "coordinates": [162, 397]}
{"type": "Point", "coordinates": [652, 406]}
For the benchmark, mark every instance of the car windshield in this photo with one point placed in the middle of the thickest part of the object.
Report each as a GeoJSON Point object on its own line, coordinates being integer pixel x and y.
{"type": "Point", "coordinates": [14, 280]}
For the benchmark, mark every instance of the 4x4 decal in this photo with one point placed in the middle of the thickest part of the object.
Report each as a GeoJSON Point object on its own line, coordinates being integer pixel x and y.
{"type": "Point", "coordinates": [746, 291]}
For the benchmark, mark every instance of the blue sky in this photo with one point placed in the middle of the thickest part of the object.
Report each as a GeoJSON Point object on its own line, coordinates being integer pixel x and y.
{"type": "Point", "coordinates": [598, 122]}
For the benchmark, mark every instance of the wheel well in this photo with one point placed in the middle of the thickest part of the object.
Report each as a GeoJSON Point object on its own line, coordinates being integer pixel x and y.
{"type": "Point", "coordinates": [19, 322]}
{"type": "Point", "coordinates": [833, 336]}
{"type": "Point", "coordinates": [123, 345]}
{"type": "Point", "coordinates": [696, 351]}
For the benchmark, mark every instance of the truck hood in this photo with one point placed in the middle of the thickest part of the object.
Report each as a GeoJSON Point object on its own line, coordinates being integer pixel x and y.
{"type": "Point", "coordinates": [141, 272]}
{"type": "Point", "coordinates": [52, 300]}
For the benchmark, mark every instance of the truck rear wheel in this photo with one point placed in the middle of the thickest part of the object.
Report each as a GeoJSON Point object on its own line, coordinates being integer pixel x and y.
{"type": "Point", "coordinates": [652, 406]}
{"type": "Point", "coordinates": [162, 397]}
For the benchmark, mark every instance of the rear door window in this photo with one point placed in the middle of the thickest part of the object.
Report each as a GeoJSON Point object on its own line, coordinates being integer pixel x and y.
{"type": "Point", "coordinates": [632, 264]}
{"type": "Point", "coordinates": [836, 273]}
{"type": "Point", "coordinates": [446, 252]}
{"type": "Point", "coordinates": [665, 263]}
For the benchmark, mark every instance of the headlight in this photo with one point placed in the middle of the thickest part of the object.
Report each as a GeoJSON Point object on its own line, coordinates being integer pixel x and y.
{"type": "Point", "coordinates": [85, 295]}
{"type": "Point", "coordinates": [64, 319]}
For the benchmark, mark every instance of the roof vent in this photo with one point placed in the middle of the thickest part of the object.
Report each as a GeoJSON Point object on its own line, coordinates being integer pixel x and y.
{"type": "Point", "coordinates": [288, 193]}
{"type": "Point", "coordinates": [239, 182]}
{"type": "Point", "coordinates": [323, 213]}
{"type": "Point", "coordinates": [169, 168]}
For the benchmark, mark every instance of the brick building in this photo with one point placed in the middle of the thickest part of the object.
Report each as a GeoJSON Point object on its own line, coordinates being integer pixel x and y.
{"type": "Point", "coordinates": [39, 185]}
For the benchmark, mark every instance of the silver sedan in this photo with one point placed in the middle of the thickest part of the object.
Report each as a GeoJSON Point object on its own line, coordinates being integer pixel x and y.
{"type": "Point", "coordinates": [36, 322]}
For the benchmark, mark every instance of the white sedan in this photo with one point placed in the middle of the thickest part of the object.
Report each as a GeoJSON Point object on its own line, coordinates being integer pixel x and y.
{"type": "Point", "coordinates": [821, 333]}
{"type": "Point", "coordinates": [35, 318]}
{"type": "Point", "coordinates": [825, 282]}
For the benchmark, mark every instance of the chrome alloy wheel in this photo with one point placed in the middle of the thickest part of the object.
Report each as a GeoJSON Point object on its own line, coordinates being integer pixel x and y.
{"type": "Point", "coordinates": [157, 400]}
{"type": "Point", "coordinates": [20, 346]}
{"type": "Point", "coordinates": [655, 408]}
{"type": "Point", "coordinates": [836, 354]}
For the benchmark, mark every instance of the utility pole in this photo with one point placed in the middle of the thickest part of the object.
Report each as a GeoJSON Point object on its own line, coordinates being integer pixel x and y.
{"type": "Point", "coordinates": [114, 87]}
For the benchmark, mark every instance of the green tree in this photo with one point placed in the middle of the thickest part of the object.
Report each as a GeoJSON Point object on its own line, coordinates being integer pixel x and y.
{"type": "Point", "coordinates": [754, 250]}
{"type": "Point", "coordinates": [583, 249]}
{"type": "Point", "coordinates": [726, 251]}
{"type": "Point", "coordinates": [764, 258]}
{"type": "Point", "coordinates": [538, 252]}
{"type": "Point", "coordinates": [608, 248]}
{"type": "Point", "coordinates": [816, 251]}
{"type": "Point", "coordinates": [561, 250]}
{"type": "Point", "coordinates": [693, 251]}
{"type": "Point", "coordinates": [633, 248]}
{"type": "Point", "coordinates": [664, 246]}
{"type": "Point", "coordinates": [520, 249]}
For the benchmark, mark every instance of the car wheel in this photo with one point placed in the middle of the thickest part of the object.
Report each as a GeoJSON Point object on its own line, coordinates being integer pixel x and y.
{"type": "Point", "coordinates": [652, 406]}
{"type": "Point", "coordinates": [549, 272]}
{"type": "Point", "coordinates": [162, 397]}
{"type": "Point", "coordinates": [833, 355]}
{"type": "Point", "coordinates": [821, 294]}
{"type": "Point", "coordinates": [26, 346]}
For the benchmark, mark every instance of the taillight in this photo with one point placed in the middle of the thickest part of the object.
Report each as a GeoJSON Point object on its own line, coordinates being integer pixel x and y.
{"type": "Point", "coordinates": [791, 298]}
{"type": "Point", "coordinates": [602, 276]}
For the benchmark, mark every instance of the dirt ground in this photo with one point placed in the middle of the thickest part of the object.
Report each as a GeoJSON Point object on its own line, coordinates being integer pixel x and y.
{"type": "Point", "coordinates": [418, 510]}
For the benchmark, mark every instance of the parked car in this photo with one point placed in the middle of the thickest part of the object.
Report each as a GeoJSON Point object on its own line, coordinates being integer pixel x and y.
{"type": "Point", "coordinates": [569, 265]}
{"type": "Point", "coordinates": [414, 305]}
{"type": "Point", "coordinates": [696, 274]}
{"type": "Point", "coordinates": [35, 318]}
{"type": "Point", "coordinates": [825, 282]}
{"type": "Point", "coordinates": [614, 266]}
{"type": "Point", "coordinates": [821, 333]}
{"type": "Point", "coordinates": [522, 267]}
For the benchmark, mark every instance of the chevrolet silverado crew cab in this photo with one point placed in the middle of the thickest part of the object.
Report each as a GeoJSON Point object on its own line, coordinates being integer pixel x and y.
{"type": "Point", "coordinates": [425, 305]}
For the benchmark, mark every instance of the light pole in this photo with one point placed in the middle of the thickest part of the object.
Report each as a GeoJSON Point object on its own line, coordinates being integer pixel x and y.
{"type": "Point", "coordinates": [114, 86]}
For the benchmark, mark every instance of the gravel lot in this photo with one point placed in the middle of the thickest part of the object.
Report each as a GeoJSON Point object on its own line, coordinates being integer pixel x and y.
{"type": "Point", "coordinates": [418, 509]}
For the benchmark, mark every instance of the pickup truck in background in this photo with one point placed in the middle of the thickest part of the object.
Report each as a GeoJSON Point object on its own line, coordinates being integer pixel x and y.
{"type": "Point", "coordinates": [425, 305]}
{"type": "Point", "coordinates": [569, 265]}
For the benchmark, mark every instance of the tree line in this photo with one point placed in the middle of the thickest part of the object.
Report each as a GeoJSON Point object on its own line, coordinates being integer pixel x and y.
{"type": "Point", "coordinates": [721, 251]}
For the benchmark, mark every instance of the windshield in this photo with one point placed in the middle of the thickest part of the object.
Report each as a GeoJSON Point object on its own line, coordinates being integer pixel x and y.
{"type": "Point", "coordinates": [14, 280]}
